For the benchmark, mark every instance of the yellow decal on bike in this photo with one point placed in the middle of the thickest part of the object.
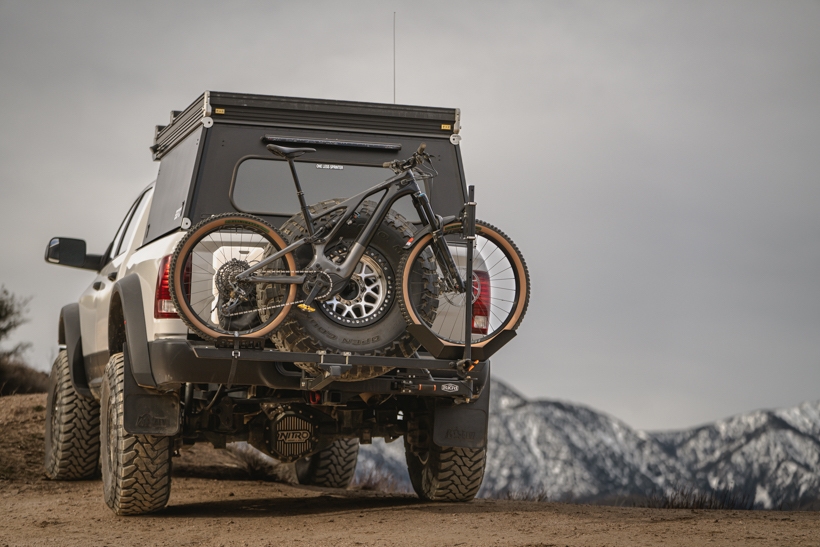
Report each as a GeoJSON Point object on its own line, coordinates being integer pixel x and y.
{"type": "Point", "coordinates": [219, 110]}
{"type": "Point", "coordinates": [446, 127]}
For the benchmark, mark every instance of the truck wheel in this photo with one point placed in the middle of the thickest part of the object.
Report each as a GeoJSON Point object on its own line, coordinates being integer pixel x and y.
{"type": "Point", "coordinates": [136, 469]}
{"type": "Point", "coordinates": [365, 317]}
{"type": "Point", "coordinates": [72, 428]}
{"type": "Point", "coordinates": [446, 474]}
{"type": "Point", "coordinates": [332, 467]}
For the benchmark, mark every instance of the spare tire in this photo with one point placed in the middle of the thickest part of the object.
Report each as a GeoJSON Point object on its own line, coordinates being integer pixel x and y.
{"type": "Point", "coordinates": [365, 318]}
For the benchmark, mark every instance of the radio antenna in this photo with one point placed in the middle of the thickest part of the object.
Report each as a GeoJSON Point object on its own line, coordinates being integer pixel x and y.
{"type": "Point", "coordinates": [394, 57]}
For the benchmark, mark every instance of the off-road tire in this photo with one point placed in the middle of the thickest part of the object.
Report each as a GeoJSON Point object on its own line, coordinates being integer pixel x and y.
{"type": "Point", "coordinates": [446, 474]}
{"type": "Point", "coordinates": [72, 438]}
{"type": "Point", "coordinates": [311, 332]}
{"type": "Point", "coordinates": [332, 467]}
{"type": "Point", "coordinates": [136, 469]}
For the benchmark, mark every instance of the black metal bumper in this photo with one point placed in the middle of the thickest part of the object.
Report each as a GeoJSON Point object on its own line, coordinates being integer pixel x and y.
{"type": "Point", "coordinates": [175, 362]}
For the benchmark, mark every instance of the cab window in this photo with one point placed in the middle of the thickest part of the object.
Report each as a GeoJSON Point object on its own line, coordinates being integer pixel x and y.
{"type": "Point", "coordinates": [133, 222]}
{"type": "Point", "coordinates": [117, 247]}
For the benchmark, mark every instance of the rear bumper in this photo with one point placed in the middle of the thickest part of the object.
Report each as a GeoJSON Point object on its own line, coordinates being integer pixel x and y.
{"type": "Point", "coordinates": [175, 362]}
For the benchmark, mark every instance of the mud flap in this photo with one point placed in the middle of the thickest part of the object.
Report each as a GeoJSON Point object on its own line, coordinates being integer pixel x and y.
{"type": "Point", "coordinates": [145, 411]}
{"type": "Point", "coordinates": [464, 425]}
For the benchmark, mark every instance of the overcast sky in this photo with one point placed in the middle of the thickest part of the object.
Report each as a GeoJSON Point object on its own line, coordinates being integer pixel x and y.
{"type": "Point", "coordinates": [656, 162]}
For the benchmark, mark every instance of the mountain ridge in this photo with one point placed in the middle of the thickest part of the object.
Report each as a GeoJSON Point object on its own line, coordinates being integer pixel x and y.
{"type": "Point", "coordinates": [565, 451]}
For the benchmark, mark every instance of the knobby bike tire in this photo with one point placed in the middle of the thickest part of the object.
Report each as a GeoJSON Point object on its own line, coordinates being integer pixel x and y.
{"type": "Point", "coordinates": [216, 239]}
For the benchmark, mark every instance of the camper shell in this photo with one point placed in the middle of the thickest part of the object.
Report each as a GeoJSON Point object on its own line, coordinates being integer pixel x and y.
{"type": "Point", "coordinates": [202, 148]}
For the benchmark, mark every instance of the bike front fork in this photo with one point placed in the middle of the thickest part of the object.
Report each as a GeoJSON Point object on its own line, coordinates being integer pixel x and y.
{"type": "Point", "coordinates": [444, 257]}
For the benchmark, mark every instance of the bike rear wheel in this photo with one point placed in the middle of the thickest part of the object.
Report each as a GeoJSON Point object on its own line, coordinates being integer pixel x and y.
{"type": "Point", "coordinates": [500, 285]}
{"type": "Point", "coordinates": [203, 272]}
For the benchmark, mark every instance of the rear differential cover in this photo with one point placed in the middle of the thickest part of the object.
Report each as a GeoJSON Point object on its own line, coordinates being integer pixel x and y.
{"type": "Point", "coordinates": [291, 436]}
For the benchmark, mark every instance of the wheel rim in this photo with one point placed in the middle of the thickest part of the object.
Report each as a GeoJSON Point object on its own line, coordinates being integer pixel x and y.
{"type": "Point", "coordinates": [367, 296]}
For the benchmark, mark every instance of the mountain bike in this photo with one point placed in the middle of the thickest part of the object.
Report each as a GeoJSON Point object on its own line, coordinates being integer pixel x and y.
{"type": "Point", "coordinates": [235, 275]}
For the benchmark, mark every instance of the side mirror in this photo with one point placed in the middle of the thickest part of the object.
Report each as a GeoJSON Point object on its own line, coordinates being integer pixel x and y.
{"type": "Point", "coordinates": [71, 252]}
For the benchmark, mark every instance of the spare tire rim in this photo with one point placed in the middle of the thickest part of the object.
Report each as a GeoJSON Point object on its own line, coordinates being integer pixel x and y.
{"type": "Point", "coordinates": [367, 295]}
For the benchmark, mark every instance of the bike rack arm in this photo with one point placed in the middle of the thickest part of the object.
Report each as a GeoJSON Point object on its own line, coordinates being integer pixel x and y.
{"type": "Point", "coordinates": [469, 236]}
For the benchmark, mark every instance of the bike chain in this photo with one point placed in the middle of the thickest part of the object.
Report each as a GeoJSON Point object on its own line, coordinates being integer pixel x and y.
{"type": "Point", "coordinates": [295, 302]}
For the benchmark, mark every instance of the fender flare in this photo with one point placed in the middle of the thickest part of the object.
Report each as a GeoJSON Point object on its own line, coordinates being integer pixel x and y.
{"type": "Point", "coordinates": [146, 411]}
{"type": "Point", "coordinates": [69, 334]}
{"type": "Point", "coordinates": [129, 291]}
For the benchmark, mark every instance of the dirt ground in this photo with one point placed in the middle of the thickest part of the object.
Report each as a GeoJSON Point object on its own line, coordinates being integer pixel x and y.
{"type": "Point", "coordinates": [208, 511]}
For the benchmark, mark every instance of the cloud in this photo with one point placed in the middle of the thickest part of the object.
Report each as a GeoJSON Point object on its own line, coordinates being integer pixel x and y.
{"type": "Point", "coordinates": [656, 163]}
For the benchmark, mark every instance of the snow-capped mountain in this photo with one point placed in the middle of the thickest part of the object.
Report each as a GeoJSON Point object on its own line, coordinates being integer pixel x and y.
{"type": "Point", "coordinates": [569, 451]}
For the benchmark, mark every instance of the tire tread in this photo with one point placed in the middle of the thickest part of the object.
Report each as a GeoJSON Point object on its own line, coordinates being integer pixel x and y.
{"type": "Point", "coordinates": [140, 481]}
{"type": "Point", "coordinates": [333, 467]}
{"type": "Point", "coordinates": [75, 448]}
{"type": "Point", "coordinates": [450, 474]}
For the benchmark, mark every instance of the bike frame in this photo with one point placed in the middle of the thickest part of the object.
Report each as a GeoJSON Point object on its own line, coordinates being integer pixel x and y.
{"type": "Point", "coordinates": [403, 184]}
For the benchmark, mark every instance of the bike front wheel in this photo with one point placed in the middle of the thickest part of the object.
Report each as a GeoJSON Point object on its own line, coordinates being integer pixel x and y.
{"type": "Point", "coordinates": [500, 285]}
{"type": "Point", "coordinates": [203, 277]}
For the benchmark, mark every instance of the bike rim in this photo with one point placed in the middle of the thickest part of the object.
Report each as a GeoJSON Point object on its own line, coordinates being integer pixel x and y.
{"type": "Point", "coordinates": [497, 286]}
{"type": "Point", "coordinates": [207, 267]}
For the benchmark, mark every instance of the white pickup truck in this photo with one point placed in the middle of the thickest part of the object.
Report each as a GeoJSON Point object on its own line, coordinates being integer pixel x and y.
{"type": "Point", "coordinates": [132, 385]}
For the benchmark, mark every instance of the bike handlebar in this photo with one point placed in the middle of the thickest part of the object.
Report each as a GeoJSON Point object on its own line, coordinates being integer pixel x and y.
{"type": "Point", "coordinates": [418, 158]}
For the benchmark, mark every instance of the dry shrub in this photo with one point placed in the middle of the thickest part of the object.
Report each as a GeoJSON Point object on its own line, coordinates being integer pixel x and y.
{"type": "Point", "coordinates": [17, 377]}
{"type": "Point", "coordinates": [531, 494]}
{"type": "Point", "coordinates": [685, 497]}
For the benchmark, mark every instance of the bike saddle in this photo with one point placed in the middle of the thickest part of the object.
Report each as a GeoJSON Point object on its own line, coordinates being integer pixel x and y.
{"type": "Point", "coordinates": [289, 153]}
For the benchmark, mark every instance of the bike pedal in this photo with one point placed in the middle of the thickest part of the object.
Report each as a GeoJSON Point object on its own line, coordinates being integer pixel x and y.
{"type": "Point", "coordinates": [305, 307]}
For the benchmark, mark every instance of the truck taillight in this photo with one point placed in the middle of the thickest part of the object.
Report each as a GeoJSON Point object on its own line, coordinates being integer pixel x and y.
{"type": "Point", "coordinates": [163, 306]}
{"type": "Point", "coordinates": [481, 302]}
